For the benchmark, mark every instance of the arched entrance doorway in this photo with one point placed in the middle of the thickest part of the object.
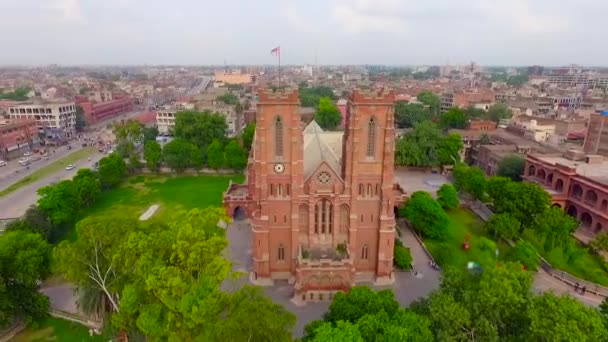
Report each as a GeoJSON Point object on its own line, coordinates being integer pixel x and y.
{"type": "Point", "coordinates": [586, 220]}
{"type": "Point", "coordinates": [556, 205]}
{"type": "Point", "coordinates": [572, 211]}
{"type": "Point", "coordinates": [239, 214]}
{"type": "Point", "coordinates": [559, 185]}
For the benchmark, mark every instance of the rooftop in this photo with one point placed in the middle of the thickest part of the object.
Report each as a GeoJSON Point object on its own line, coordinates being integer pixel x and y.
{"type": "Point", "coordinates": [321, 146]}
{"type": "Point", "coordinates": [597, 172]}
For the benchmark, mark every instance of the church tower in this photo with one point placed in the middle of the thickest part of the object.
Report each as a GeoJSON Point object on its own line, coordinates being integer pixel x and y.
{"type": "Point", "coordinates": [368, 171]}
{"type": "Point", "coordinates": [277, 161]}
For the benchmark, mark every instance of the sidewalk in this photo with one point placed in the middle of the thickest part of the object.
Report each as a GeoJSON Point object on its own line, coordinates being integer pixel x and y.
{"type": "Point", "coordinates": [544, 282]}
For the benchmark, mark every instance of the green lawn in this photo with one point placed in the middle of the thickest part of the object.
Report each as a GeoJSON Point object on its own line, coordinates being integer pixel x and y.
{"type": "Point", "coordinates": [55, 329]}
{"type": "Point", "coordinates": [450, 251]}
{"type": "Point", "coordinates": [49, 169]}
{"type": "Point", "coordinates": [172, 193]}
{"type": "Point", "coordinates": [575, 259]}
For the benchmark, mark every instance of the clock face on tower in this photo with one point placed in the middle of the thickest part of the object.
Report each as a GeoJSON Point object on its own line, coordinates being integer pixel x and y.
{"type": "Point", "coordinates": [279, 168]}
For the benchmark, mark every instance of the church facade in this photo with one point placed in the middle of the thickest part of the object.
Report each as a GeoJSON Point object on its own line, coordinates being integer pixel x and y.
{"type": "Point", "coordinates": [321, 204]}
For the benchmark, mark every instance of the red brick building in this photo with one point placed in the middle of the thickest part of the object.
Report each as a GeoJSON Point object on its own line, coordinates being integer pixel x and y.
{"type": "Point", "coordinates": [17, 137]}
{"type": "Point", "coordinates": [482, 125]}
{"type": "Point", "coordinates": [578, 183]}
{"type": "Point", "coordinates": [95, 112]}
{"type": "Point", "coordinates": [321, 203]}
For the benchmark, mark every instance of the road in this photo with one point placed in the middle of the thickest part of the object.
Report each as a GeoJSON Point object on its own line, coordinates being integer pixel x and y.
{"type": "Point", "coordinates": [13, 171]}
{"type": "Point", "coordinates": [16, 203]}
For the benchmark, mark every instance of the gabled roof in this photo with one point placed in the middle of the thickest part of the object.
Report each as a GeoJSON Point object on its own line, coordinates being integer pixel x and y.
{"type": "Point", "coordinates": [321, 146]}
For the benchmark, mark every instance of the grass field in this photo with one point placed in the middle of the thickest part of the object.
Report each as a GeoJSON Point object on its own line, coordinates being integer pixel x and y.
{"type": "Point", "coordinates": [54, 329]}
{"type": "Point", "coordinates": [49, 169]}
{"type": "Point", "coordinates": [450, 251]}
{"type": "Point", "coordinates": [175, 193]}
{"type": "Point", "coordinates": [574, 259]}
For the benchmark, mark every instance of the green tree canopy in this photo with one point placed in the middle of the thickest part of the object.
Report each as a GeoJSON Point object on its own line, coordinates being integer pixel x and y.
{"type": "Point", "coordinates": [327, 116]}
{"type": "Point", "coordinates": [215, 155]}
{"type": "Point", "coordinates": [20, 94]}
{"type": "Point", "coordinates": [229, 99]}
{"type": "Point", "coordinates": [152, 155]}
{"type": "Point", "coordinates": [409, 114]}
{"type": "Point", "coordinates": [24, 262]}
{"type": "Point", "coordinates": [59, 201]}
{"type": "Point", "coordinates": [525, 253]}
{"type": "Point", "coordinates": [511, 166]}
{"type": "Point", "coordinates": [426, 215]}
{"type": "Point", "coordinates": [35, 220]}
{"type": "Point", "coordinates": [431, 100]}
{"type": "Point", "coordinates": [199, 128]}
{"type": "Point", "coordinates": [503, 226]}
{"type": "Point", "coordinates": [248, 135]}
{"type": "Point", "coordinates": [470, 179]}
{"type": "Point", "coordinates": [80, 119]}
{"type": "Point", "coordinates": [499, 111]}
{"type": "Point", "coordinates": [454, 118]}
{"type": "Point", "coordinates": [554, 226]}
{"type": "Point", "coordinates": [310, 96]}
{"type": "Point", "coordinates": [128, 135]}
{"type": "Point", "coordinates": [236, 158]}
{"type": "Point", "coordinates": [88, 187]}
{"type": "Point", "coordinates": [447, 196]}
{"type": "Point", "coordinates": [179, 154]}
{"type": "Point", "coordinates": [524, 201]}
{"type": "Point", "coordinates": [112, 170]}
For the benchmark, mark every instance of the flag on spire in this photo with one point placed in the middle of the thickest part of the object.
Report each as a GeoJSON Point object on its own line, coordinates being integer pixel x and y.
{"type": "Point", "coordinates": [276, 51]}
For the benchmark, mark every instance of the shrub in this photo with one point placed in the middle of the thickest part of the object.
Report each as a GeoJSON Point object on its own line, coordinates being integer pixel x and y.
{"type": "Point", "coordinates": [448, 197]}
{"type": "Point", "coordinates": [402, 257]}
{"type": "Point", "coordinates": [525, 253]}
{"type": "Point", "coordinates": [426, 215]}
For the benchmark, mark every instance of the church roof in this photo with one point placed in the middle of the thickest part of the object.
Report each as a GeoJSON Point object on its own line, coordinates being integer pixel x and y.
{"type": "Point", "coordinates": [321, 146]}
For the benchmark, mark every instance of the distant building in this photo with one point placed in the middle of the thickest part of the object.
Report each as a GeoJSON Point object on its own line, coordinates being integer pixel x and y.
{"type": "Point", "coordinates": [482, 125]}
{"type": "Point", "coordinates": [222, 78]}
{"type": "Point", "coordinates": [576, 182]}
{"type": "Point", "coordinates": [17, 137]}
{"type": "Point", "coordinates": [96, 112]}
{"type": "Point", "coordinates": [596, 141]}
{"type": "Point", "coordinates": [478, 98]}
{"type": "Point", "coordinates": [57, 120]}
{"type": "Point", "coordinates": [342, 107]}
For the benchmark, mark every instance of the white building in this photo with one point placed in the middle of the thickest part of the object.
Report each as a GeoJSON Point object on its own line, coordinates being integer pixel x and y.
{"type": "Point", "coordinates": [55, 119]}
{"type": "Point", "coordinates": [165, 121]}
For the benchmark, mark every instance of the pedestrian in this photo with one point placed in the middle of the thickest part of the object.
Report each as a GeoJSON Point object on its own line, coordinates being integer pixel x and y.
{"type": "Point", "coordinates": [576, 287]}
{"type": "Point", "coordinates": [583, 290]}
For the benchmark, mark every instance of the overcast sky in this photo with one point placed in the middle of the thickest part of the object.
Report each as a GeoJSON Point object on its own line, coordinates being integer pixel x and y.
{"type": "Point", "coordinates": [399, 32]}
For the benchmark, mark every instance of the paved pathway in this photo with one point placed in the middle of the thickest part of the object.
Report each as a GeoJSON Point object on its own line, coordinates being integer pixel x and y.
{"type": "Point", "coordinates": [544, 282]}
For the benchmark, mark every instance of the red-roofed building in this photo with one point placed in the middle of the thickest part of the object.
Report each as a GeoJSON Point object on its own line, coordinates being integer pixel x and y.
{"type": "Point", "coordinates": [147, 119]}
{"type": "Point", "coordinates": [95, 112]}
{"type": "Point", "coordinates": [17, 137]}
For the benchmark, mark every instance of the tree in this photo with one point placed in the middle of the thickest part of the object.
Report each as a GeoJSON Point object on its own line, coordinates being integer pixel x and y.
{"type": "Point", "coordinates": [409, 114]}
{"type": "Point", "coordinates": [470, 179]}
{"type": "Point", "coordinates": [152, 154]}
{"type": "Point", "coordinates": [228, 98]}
{"type": "Point", "coordinates": [89, 262]}
{"type": "Point", "coordinates": [248, 135]}
{"type": "Point", "coordinates": [525, 253]}
{"type": "Point", "coordinates": [60, 201]}
{"type": "Point", "coordinates": [431, 100]}
{"type": "Point", "coordinates": [310, 96]}
{"type": "Point", "coordinates": [474, 113]}
{"type": "Point", "coordinates": [128, 136]}
{"type": "Point", "coordinates": [88, 187]}
{"type": "Point", "coordinates": [426, 215]}
{"type": "Point", "coordinates": [420, 146]}
{"type": "Point", "coordinates": [449, 149]}
{"type": "Point", "coordinates": [600, 243]}
{"type": "Point", "coordinates": [80, 120]}
{"type": "Point", "coordinates": [200, 128]}
{"type": "Point", "coordinates": [522, 200]}
{"type": "Point", "coordinates": [499, 111]}
{"type": "Point", "coordinates": [503, 226]}
{"type": "Point", "coordinates": [112, 170]}
{"type": "Point", "coordinates": [327, 116]}
{"type": "Point", "coordinates": [179, 154]}
{"type": "Point", "coordinates": [554, 226]}
{"type": "Point", "coordinates": [511, 166]}
{"type": "Point", "coordinates": [402, 257]}
{"type": "Point", "coordinates": [215, 155]}
{"type": "Point", "coordinates": [358, 302]}
{"type": "Point", "coordinates": [342, 331]}
{"type": "Point", "coordinates": [453, 118]}
{"type": "Point", "coordinates": [34, 220]}
{"type": "Point", "coordinates": [173, 289]}
{"type": "Point", "coordinates": [448, 197]}
{"type": "Point", "coordinates": [150, 134]}
{"type": "Point", "coordinates": [564, 318]}
{"type": "Point", "coordinates": [134, 164]}
{"type": "Point", "coordinates": [485, 140]}
{"type": "Point", "coordinates": [236, 158]}
{"type": "Point", "coordinates": [24, 262]}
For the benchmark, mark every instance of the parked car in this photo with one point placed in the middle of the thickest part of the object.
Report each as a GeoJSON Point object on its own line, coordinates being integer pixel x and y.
{"type": "Point", "coordinates": [24, 161]}
{"type": "Point", "coordinates": [70, 167]}
{"type": "Point", "coordinates": [2, 163]}
{"type": "Point", "coordinates": [27, 154]}
{"type": "Point", "coordinates": [35, 159]}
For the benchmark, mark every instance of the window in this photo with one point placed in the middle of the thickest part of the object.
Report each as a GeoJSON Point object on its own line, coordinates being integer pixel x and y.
{"type": "Point", "coordinates": [371, 137]}
{"type": "Point", "coordinates": [280, 186]}
{"type": "Point", "coordinates": [287, 189]}
{"type": "Point", "coordinates": [284, 218]}
{"type": "Point", "coordinates": [281, 253]}
{"type": "Point", "coordinates": [324, 177]}
{"type": "Point", "coordinates": [278, 137]}
{"type": "Point", "coordinates": [377, 189]}
{"type": "Point", "coordinates": [369, 190]}
{"type": "Point", "coordinates": [324, 217]}
{"type": "Point", "coordinates": [364, 252]}
{"type": "Point", "coordinates": [361, 189]}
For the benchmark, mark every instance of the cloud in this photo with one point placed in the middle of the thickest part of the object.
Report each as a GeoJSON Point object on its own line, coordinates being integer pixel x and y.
{"type": "Point", "coordinates": [520, 15]}
{"type": "Point", "coordinates": [296, 22]}
{"type": "Point", "coordinates": [369, 16]}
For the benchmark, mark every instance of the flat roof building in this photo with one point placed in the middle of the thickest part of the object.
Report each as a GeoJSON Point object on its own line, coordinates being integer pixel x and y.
{"type": "Point", "coordinates": [57, 120]}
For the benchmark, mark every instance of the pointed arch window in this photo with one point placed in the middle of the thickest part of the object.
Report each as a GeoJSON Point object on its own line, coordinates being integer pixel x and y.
{"type": "Point", "coordinates": [278, 137]}
{"type": "Point", "coordinates": [371, 137]}
{"type": "Point", "coordinates": [281, 252]}
{"type": "Point", "coordinates": [324, 220]}
{"type": "Point", "coordinates": [364, 252]}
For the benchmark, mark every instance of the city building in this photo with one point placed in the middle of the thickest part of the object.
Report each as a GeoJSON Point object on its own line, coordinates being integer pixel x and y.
{"type": "Point", "coordinates": [321, 204]}
{"type": "Point", "coordinates": [478, 98]}
{"type": "Point", "coordinates": [342, 105]}
{"type": "Point", "coordinates": [576, 182]}
{"type": "Point", "coordinates": [57, 120]}
{"type": "Point", "coordinates": [17, 137]}
{"type": "Point", "coordinates": [231, 77]}
{"type": "Point", "coordinates": [99, 111]}
{"type": "Point", "coordinates": [596, 141]}
{"type": "Point", "coordinates": [165, 120]}
{"type": "Point", "coordinates": [482, 125]}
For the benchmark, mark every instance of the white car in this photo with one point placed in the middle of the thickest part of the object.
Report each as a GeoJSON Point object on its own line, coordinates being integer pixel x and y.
{"type": "Point", "coordinates": [70, 167]}
{"type": "Point", "coordinates": [2, 163]}
{"type": "Point", "coordinates": [27, 154]}
{"type": "Point", "coordinates": [24, 161]}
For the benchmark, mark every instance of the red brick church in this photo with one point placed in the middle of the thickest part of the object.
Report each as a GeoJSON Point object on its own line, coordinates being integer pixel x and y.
{"type": "Point", "coordinates": [321, 204]}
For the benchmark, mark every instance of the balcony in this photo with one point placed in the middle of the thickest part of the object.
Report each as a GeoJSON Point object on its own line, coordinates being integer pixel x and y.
{"type": "Point", "coordinates": [325, 257]}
